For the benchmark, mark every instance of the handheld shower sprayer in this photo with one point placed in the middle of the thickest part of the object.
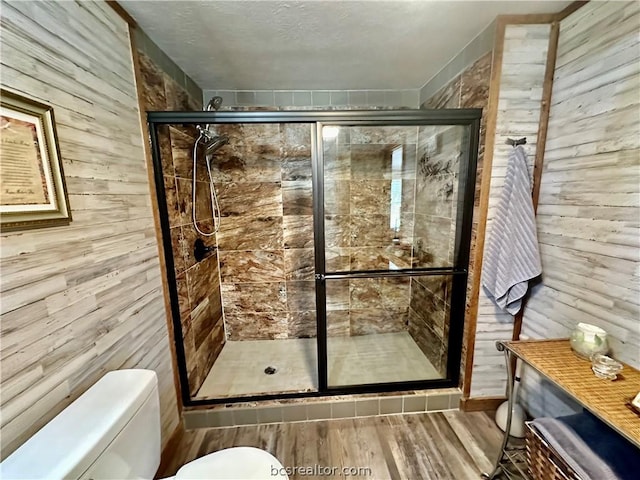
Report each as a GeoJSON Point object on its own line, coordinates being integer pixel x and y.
{"type": "Point", "coordinates": [211, 143]}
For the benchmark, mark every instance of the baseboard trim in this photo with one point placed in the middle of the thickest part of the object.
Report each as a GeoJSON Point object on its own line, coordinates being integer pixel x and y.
{"type": "Point", "coordinates": [482, 404]}
{"type": "Point", "coordinates": [170, 450]}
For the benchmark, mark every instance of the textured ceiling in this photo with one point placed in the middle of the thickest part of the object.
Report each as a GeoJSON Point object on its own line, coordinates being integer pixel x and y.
{"type": "Point", "coordinates": [308, 45]}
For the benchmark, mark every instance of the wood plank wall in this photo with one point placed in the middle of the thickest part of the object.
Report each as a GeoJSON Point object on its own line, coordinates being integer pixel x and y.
{"type": "Point", "coordinates": [588, 215]}
{"type": "Point", "coordinates": [80, 300]}
{"type": "Point", "coordinates": [520, 84]}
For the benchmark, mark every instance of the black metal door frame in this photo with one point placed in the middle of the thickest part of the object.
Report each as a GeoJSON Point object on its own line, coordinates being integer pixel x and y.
{"type": "Point", "coordinates": [458, 272]}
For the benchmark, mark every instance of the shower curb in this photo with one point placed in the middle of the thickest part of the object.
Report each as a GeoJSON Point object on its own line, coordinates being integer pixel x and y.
{"type": "Point", "coordinates": [259, 413]}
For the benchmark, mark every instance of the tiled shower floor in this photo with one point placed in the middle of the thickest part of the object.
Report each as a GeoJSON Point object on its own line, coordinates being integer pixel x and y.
{"type": "Point", "coordinates": [385, 357]}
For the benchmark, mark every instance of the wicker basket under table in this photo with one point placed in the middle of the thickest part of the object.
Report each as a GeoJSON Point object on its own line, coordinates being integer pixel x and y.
{"type": "Point", "coordinates": [543, 463]}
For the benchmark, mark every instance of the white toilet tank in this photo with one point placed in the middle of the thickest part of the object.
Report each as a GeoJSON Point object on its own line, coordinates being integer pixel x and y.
{"type": "Point", "coordinates": [111, 431]}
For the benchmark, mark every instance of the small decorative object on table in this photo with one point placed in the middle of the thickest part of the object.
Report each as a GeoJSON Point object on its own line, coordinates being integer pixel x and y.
{"type": "Point", "coordinates": [588, 340]}
{"type": "Point", "coordinates": [605, 367]}
{"type": "Point", "coordinates": [635, 403]}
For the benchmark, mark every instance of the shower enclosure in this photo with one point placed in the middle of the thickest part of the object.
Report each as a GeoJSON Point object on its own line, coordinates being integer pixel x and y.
{"type": "Point", "coordinates": [340, 263]}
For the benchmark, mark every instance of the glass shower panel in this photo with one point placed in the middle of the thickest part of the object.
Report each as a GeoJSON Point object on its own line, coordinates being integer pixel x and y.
{"type": "Point", "coordinates": [439, 152]}
{"type": "Point", "coordinates": [369, 190]}
{"type": "Point", "coordinates": [390, 196]}
{"type": "Point", "coordinates": [430, 318]}
{"type": "Point", "coordinates": [384, 330]}
{"type": "Point", "coordinates": [390, 203]}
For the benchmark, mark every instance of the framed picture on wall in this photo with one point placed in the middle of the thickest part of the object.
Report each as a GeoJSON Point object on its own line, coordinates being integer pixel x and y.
{"type": "Point", "coordinates": [32, 187]}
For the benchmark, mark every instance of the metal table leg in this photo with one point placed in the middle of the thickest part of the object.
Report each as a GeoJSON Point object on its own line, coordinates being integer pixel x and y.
{"type": "Point", "coordinates": [498, 466]}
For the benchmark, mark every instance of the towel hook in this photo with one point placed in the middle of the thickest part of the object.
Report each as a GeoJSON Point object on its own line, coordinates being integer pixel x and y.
{"type": "Point", "coordinates": [514, 142]}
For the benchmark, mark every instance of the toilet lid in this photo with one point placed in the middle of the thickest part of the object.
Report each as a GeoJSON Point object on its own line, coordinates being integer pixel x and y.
{"type": "Point", "coordinates": [237, 463]}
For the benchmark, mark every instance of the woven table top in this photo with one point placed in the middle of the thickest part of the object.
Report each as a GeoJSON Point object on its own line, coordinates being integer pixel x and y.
{"type": "Point", "coordinates": [608, 400]}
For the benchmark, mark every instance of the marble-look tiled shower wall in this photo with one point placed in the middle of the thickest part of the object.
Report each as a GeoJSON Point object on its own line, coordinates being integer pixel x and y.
{"type": "Point", "coordinates": [439, 153]}
{"type": "Point", "coordinates": [265, 243]}
{"type": "Point", "coordinates": [197, 282]}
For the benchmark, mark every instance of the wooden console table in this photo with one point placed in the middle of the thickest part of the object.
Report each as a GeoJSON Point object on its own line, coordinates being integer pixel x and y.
{"type": "Point", "coordinates": [555, 361]}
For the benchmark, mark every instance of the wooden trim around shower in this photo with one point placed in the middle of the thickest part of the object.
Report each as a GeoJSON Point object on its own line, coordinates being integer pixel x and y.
{"type": "Point", "coordinates": [483, 208]}
{"type": "Point", "coordinates": [481, 404]}
{"type": "Point", "coordinates": [123, 14]}
{"type": "Point", "coordinates": [156, 216]}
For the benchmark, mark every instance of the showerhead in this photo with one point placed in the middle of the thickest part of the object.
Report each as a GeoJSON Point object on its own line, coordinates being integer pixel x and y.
{"type": "Point", "coordinates": [214, 104]}
{"type": "Point", "coordinates": [211, 144]}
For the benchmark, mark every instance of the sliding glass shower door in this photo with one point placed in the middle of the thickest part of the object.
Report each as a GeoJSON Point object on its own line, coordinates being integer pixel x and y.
{"type": "Point", "coordinates": [391, 268]}
{"type": "Point", "coordinates": [340, 264]}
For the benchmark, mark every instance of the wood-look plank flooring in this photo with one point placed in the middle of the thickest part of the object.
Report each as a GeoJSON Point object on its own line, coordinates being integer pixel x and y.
{"type": "Point", "coordinates": [444, 445]}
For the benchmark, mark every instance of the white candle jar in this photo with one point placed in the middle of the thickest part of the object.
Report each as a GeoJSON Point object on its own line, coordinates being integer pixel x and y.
{"type": "Point", "coordinates": [587, 340]}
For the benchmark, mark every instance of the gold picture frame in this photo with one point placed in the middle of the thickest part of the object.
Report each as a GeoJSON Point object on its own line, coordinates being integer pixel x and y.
{"type": "Point", "coordinates": [33, 193]}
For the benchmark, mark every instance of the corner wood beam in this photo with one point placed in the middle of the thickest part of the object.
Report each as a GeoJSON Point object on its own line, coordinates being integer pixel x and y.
{"type": "Point", "coordinates": [543, 123]}
{"type": "Point", "coordinates": [572, 7]}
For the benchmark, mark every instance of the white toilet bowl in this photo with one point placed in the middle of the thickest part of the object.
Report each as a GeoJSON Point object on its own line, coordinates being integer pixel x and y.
{"type": "Point", "coordinates": [238, 463]}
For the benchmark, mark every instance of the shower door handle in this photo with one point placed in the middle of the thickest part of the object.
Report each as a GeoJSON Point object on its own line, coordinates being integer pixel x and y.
{"type": "Point", "coordinates": [320, 276]}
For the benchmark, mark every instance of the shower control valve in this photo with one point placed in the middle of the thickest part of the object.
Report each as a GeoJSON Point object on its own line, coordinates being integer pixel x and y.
{"type": "Point", "coordinates": [200, 250]}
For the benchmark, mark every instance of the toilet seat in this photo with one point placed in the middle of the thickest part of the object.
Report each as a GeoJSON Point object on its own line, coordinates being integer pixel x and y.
{"type": "Point", "coordinates": [237, 463]}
